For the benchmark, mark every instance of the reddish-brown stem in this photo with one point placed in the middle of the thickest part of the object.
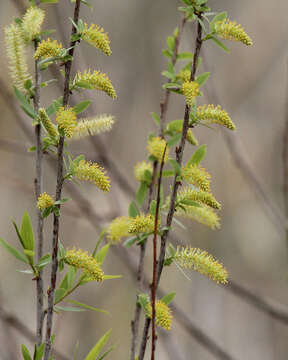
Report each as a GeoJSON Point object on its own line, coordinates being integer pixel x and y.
{"type": "Point", "coordinates": [59, 186]}
{"type": "Point", "coordinates": [163, 114]}
{"type": "Point", "coordinates": [153, 288]}
{"type": "Point", "coordinates": [176, 183]}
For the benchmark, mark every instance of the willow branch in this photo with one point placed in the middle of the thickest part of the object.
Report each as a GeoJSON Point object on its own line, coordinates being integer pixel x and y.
{"type": "Point", "coordinates": [176, 183]}
{"type": "Point", "coordinates": [59, 186]}
{"type": "Point", "coordinates": [38, 182]}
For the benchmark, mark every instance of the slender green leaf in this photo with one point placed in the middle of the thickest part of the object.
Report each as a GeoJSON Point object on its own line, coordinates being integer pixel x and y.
{"type": "Point", "coordinates": [156, 118]}
{"type": "Point", "coordinates": [112, 277]}
{"type": "Point", "coordinates": [26, 232]}
{"type": "Point", "coordinates": [69, 308]}
{"type": "Point", "coordinates": [176, 166]}
{"type": "Point", "coordinates": [219, 17]}
{"type": "Point", "coordinates": [198, 155]}
{"type": "Point", "coordinates": [25, 353]}
{"type": "Point", "coordinates": [101, 254]}
{"type": "Point", "coordinates": [82, 106]}
{"type": "Point", "coordinates": [14, 251]}
{"type": "Point", "coordinates": [130, 241]}
{"type": "Point", "coordinates": [87, 307]}
{"type": "Point", "coordinates": [100, 238]}
{"type": "Point", "coordinates": [220, 44]}
{"type": "Point", "coordinates": [174, 140]}
{"type": "Point", "coordinates": [141, 193]}
{"type": "Point", "coordinates": [133, 210]}
{"type": "Point", "coordinates": [167, 299]}
{"type": "Point", "coordinates": [59, 295]}
{"type": "Point", "coordinates": [98, 347]}
{"type": "Point", "coordinates": [201, 79]}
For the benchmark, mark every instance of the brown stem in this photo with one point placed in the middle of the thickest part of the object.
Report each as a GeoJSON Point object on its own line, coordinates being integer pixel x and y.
{"type": "Point", "coordinates": [153, 288]}
{"type": "Point", "coordinates": [59, 186]}
{"type": "Point", "coordinates": [38, 190]}
{"type": "Point", "coordinates": [176, 183]}
{"type": "Point", "coordinates": [140, 272]}
{"type": "Point", "coordinates": [163, 114]}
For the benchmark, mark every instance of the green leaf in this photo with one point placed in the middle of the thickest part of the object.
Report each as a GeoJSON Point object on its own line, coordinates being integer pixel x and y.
{"type": "Point", "coordinates": [26, 232]}
{"type": "Point", "coordinates": [201, 79]}
{"type": "Point", "coordinates": [18, 233]}
{"type": "Point", "coordinates": [174, 140]}
{"type": "Point", "coordinates": [198, 155]}
{"type": "Point", "coordinates": [14, 251]}
{"type": "Point", "coordinates": [167, 173]}
{"type": "Point", "coordinates": [133, 210]}
{"type": "Point", "coordinates": [101, 254]}
{"type": "Point", "coordinates": [111, 277]}
{"type": "Point", "coordinates": [68, 308]}
{"type": "Point", "coordinates": [156, 118]}
{"type": "Point", "coordinates": [167, 53]}
{"type": "Point", "coordinates": [59, 295]}
{"type": "Point", "coordinates": [168, 74]}
{"type": "Point", "coordinates": [100, 238]}
{"type": "Point", "coordinates": [130, 241]}
{"type": "Point", "coordinates": [185, 56]}
{"type": "Point", "coordinates": [25, 353]}
{"type": "Point", "coordinates": [39, 351]}
{"type": "Point", "coordinates": [25, 105]}
{"type": "Point", "coordinates": [167, 299]}
{"type": "Point", "coordinates": [171, 43]}
{"type": "Point", "coordinates": [176, 166]}
{"type": "Point", "coordinates": [87, 307]}
{"type": "Point", "coordinates": [82, 106]}
{"type": "Point", "coordinates": [153, 207]}
{"type": "Point", "coordinates": [54, 106]}
{"type": "Point", "coordinates": [219, 17]}
{"type": "Point", "coordinates": [143, 300]}
{"type": "Point", "coordinates": [45, 260]}
{"type": "Point", "coordinates": [98, 347]}
{"type": "Point", "coordinates": [190, 203]}
{"type": "Point", "coordinates": [49, 1]}
{"type": "Point", "coordinates": [220, 44]}
{"type": "Point", "coordinates": [106, 353]}
{"type": "Point", "coordinates": [141, 193]}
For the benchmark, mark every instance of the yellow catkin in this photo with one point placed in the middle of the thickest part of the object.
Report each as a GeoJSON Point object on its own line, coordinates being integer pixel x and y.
{"type": "Point", "coordinates": [140, 170]}
{"type": "Point", "coordinates": [197, 176]}
{"type": "Point", "coordinates": [16, 56]}
{"type": "Point", "coordinates": [142, 224]}
{"type": "Point", "coordinates": [47, 49]}
{"type": "Point", "coordinates": [211, 114]}
{"type": "Point", "coordinates": [93, 126]}
{"type": "Point", "coordinates": [184, 75]}
{"type": "Point", "coordinates": [96, 37]}
{"type": "Point", "coordinates": [44, 201]}
{"type": "Point", "coordinates": [199, 260]}
{"type": "Point", "coordinates": [156, 147]}
{"type": "Point", "coordinates": [32, 22]}
{"type": "Point", "coordinates": [230, 30]}
{"type": "Point", "coordinates": [163, 314]}
{"type": "Point", "coordinates": [47, 123]}
{"type": "Point", "coordinates": [92, 172]}
{"type": "Point", "coordinates": [203, 215]}
{"type": "Point", "coordinates": [118, 229]}
{"type": "Point", "coordinates": [200, 196]}
{"type": "Point", "coordinates": [190, 90]}
{"type": "Point", "coordinates": [66, 119]}
{"type": "Point", "coordinates": [95, 80]}
{"type": "Point", "coordinates": [87, 263]}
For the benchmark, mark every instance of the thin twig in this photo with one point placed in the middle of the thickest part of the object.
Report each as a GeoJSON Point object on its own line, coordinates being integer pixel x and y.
{"type": "Point", "coordinates": [38, 182]}
{"type": "Point", "coordinates": [153, 287]}
{"type": "Point", "coordinates": [59, 186]}
{"type": "Point", "coordinates": [163, 113]}
{"type": "Point", "coordinates": [176, 183]}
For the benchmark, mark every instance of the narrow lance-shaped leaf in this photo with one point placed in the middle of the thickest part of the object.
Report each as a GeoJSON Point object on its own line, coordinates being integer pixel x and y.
{"type": "Point", "coordinates": [98, 347]}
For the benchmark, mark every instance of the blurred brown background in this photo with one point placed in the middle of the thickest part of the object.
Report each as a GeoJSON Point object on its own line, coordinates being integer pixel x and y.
{"type": "Point", "coordinates": [250, 83]}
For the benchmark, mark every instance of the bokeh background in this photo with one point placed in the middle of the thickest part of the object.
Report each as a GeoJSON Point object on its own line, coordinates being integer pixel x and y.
{"type": "Point", "coordinates": [247, 168]}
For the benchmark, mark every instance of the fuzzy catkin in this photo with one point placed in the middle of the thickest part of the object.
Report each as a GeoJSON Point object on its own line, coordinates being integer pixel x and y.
{"type": "Point", "coordinates": [16, 56]}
